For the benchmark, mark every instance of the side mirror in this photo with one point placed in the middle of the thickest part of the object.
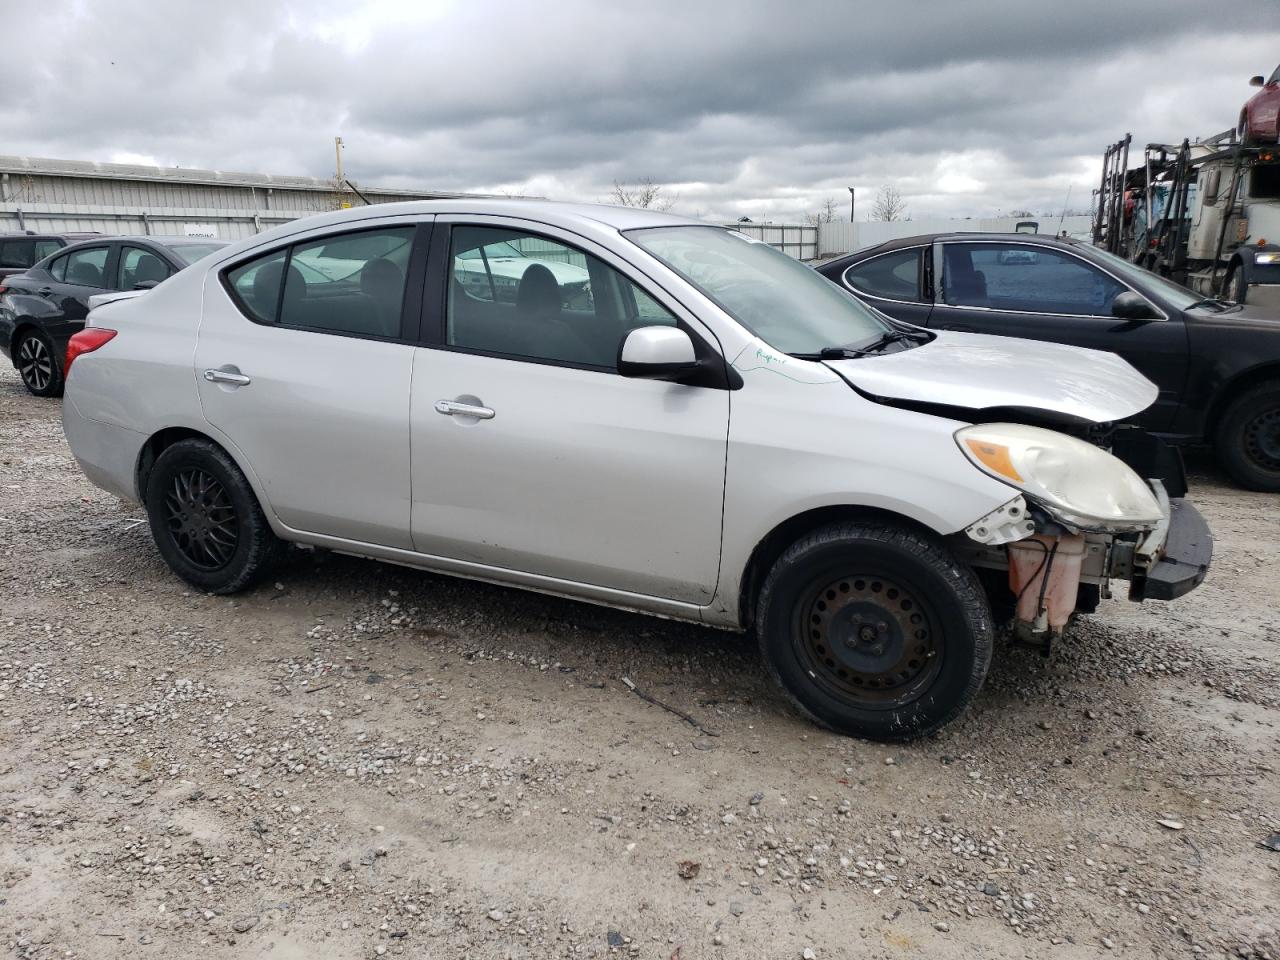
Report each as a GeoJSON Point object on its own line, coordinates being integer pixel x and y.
{"type": "Point", "coordinates": [1132, 306]}
{"type": "Point", "coordinates": [146, 284]}
{"type": "Point", "coordinates": [657, 353]}
{"type": "Point", "coordinates": [1258, 81]}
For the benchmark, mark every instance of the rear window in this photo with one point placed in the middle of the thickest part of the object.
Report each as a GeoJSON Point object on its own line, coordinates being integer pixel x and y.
{"type": "Point", "coordinates": [16, 253]}
{"type": "Point", "coordinates": [46, 247]}
{"type": "Point", "coordinates": [189, 253]}
{"type": "Point", "coordinates": [891, 276]}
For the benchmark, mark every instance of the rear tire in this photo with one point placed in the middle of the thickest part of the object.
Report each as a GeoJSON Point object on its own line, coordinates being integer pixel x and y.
{"type": "Point", "coordinates": [206, 520]}
{"type": "Point", "coordinates": [875, 630]}
{"type": "Point", "coordinates": [1248, 438]}
{"type": "Point", "coordinates": [38, 364]}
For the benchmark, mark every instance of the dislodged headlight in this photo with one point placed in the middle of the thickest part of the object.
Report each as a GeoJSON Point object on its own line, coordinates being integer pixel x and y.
{"type": "Point", "coordinates": [1266, 256]}
{"type": "Point", "coordinates": [1080, 484]}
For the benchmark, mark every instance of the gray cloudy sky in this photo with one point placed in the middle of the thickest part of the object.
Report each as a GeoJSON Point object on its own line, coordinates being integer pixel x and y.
{"type": "Point", "coordinates": [761, 108]}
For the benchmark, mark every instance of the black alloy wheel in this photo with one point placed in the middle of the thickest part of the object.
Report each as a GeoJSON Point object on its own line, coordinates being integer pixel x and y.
{"type": "Point", "coordinates": [202, 519]}
{"type": "Point", "coordinates": [206, 520]}
{"type": "Point", "coordinates": [38, 366]}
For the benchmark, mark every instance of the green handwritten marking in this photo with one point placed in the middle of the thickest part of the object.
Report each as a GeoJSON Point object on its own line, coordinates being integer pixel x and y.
{"type": "Point", "coordinates": [757, 356]}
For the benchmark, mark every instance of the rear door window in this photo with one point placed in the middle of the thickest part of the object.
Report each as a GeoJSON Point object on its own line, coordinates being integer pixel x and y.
{"type": "Point", "coordinates": [87, 267]}
{"type": "Point", "coordinates": [890, 276]}
{"type": "Point", "coordinates": [349, 283]}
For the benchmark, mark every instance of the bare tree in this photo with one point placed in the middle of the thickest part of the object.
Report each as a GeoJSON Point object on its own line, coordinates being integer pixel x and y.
{"type": "Point", "coordinates": [643, 193]}
{"type": "Point", "coordinates": [824, 214]}
{"type": "Point", "coordinates": [889, 204]}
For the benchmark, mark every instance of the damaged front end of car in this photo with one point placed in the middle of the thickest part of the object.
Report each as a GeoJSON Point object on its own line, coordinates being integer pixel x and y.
{"type": "Point", "coordinates": [1090, 511]}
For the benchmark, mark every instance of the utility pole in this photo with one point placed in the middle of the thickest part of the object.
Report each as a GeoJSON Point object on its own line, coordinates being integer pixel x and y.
{"type": "Point", "coordinates": [852, 199]}
{"type": "Point", "coordinates": [339, 179]}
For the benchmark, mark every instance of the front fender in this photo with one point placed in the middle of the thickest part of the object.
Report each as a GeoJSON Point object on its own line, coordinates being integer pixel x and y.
{"type": "Point", "coordinates": [796, 446]}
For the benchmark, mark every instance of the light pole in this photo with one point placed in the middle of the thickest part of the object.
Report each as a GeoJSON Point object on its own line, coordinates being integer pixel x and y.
{"type": "Point", "coordinates": [852, 199]}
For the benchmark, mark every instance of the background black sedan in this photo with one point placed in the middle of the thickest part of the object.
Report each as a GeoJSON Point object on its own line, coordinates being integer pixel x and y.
{"type": "Point", "coordinates": [42, 308]}
{"type": "Point", "coordinates": [1217, 364]}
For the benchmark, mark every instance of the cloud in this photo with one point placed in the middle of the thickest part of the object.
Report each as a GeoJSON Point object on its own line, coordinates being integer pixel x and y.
{"type": "Point", "coordinates": [760, 109]}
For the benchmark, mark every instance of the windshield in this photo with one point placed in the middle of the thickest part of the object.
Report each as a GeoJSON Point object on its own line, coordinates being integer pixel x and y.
{"type": "Point", "coordinates": [780, 300]}
{"type": "Point", "coordinates": [189, 253]}
{"type": "Point", "coordinates": [1179, 296]}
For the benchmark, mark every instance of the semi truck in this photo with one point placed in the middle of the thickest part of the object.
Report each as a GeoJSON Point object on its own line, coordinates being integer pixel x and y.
{"type": "Point", "coordinates": [1205, 213]}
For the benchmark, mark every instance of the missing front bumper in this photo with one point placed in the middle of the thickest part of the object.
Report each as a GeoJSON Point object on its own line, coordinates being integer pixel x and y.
{"type": "Point", "coordinates": [1046, 572]}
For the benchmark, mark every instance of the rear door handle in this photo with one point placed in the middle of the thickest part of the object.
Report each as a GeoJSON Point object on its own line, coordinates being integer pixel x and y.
{"type": "Point", "coordinates": [226, 376]}
{"type": "Point", "coordinates": [45, 291]}
{"type": "Point", "coordinates": [452, 408]}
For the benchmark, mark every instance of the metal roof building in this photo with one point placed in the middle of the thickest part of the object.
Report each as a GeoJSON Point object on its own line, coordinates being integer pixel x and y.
{"type": "Point", "coordinates": [117, 198]}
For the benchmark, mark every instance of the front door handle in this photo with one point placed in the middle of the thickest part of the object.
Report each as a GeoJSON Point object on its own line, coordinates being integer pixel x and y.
{"type": "Point", "coordinates": [452, 408]}
{"type": "Point", "coordinates": [45, 291]}
{"type": "Point", "coordinates": [226, 376]}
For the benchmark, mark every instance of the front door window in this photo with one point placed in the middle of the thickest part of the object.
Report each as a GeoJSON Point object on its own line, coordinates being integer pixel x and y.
{"type": "Point", "coordinates": [1025, 278]}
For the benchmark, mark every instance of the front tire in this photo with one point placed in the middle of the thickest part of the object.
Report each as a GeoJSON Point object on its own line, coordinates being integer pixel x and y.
{"type": "Point", "coordinates": [38, 364]}
{"type": "Point", "coordinates": [206, 520]}
{"type": "Point", "coordinates": [875, 630]}
{"type": "Point", "coordinates": [1248, 438]}
{"type": "Point", "coordinates": [1236, 287]}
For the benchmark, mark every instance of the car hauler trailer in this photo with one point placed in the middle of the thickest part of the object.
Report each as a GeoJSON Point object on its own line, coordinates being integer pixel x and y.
{"type": "Point", "coordinates": [1204, 213]}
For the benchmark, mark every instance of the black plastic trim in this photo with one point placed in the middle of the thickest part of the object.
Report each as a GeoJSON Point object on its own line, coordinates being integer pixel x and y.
{"type": "Point", "coordinates": [1188, 553]}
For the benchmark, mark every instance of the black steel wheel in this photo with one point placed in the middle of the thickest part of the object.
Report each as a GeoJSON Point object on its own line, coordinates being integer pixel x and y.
{"type": "Point", "coordinates": [1248, 438]}
{"type": "Point", "coordinates": [865, 636]}
{"type": "Point", "coordinates": [206, 520]}
{"type": "Point", "coordinates": [38, 364]}
{"type": "Point", "coordinates": [875, 630]}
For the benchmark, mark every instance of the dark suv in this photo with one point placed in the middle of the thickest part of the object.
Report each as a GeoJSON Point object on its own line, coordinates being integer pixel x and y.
{"type": "Point", "coordinates": [18, 251]}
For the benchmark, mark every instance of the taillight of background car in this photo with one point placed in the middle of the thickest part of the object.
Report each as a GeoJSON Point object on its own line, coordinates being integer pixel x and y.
{"type": "Point", "coordinates": [86, 341]}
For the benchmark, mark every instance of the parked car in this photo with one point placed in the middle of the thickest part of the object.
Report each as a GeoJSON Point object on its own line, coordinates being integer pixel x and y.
{"type": "Point", "coordinates": [713, 433]}
{"type": "Point", "coordinates": [42, 308]}
{"type": "Point", "coordinates": [1217, 364]}
{"type": "Point", "coordinates": [19, 251]}
{"type": "Point", "coordinates": [1260, 116]}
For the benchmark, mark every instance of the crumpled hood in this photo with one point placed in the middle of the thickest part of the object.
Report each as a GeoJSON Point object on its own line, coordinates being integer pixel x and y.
{"type": "Point", "coordinates": [980, 372]}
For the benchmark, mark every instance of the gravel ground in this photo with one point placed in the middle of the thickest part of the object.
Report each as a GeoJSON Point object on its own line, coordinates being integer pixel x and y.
{"type": "Point", "coordinates": [358, 760]}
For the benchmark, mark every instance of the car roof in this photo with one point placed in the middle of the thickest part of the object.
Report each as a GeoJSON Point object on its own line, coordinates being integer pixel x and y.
{"type": "Point", "coordinates": [153, 240]}
{"type": "Point", "coordinates": [24, 235]}
{"type": "Point", "coordinates": [899, 243]}
{"type": "Point", "coordinates": [546, 211]}
{"type": "Point", "coordinates": [586, 219]}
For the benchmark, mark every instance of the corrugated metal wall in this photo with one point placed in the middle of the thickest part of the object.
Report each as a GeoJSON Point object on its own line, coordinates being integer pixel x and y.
{"type": "Point", "coordinates": [67, 196]}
